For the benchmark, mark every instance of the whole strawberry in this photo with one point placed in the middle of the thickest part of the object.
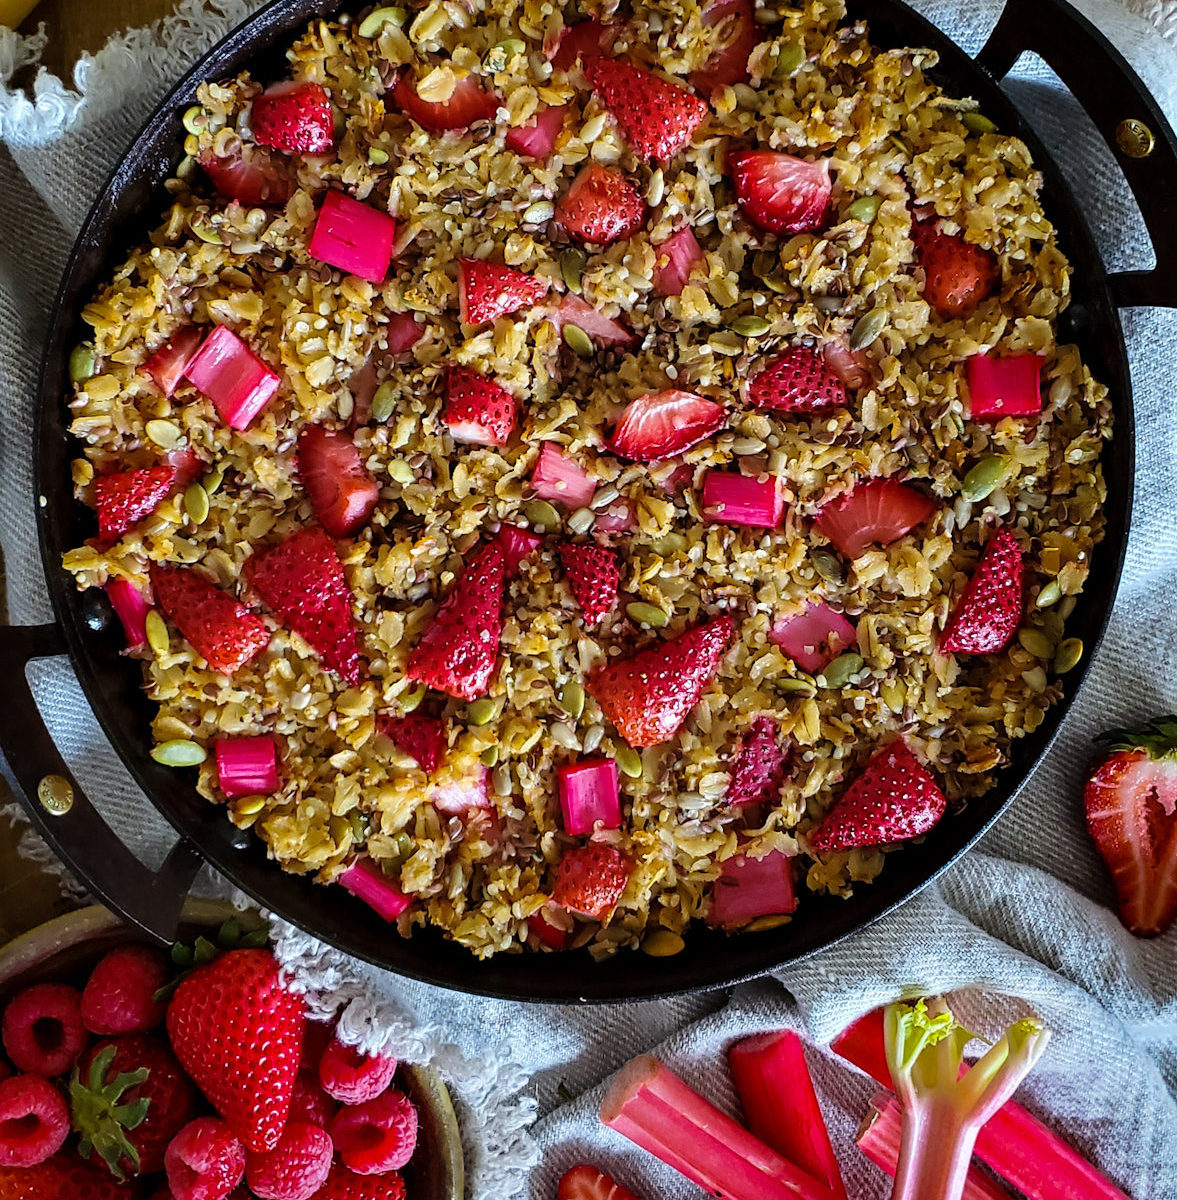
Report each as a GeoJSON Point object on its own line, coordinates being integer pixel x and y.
{"type": "Point", "coordinates": [343, 1184]}
{"type": "Point", "coordinates": [238, 1032]}
{"type": "Point", "coordinates": [62, 1177]}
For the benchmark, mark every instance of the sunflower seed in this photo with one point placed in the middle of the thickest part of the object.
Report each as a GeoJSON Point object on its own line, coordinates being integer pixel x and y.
{"type": "Point", "coordinates": [647, 614]}
{"type": "Point", "coordinates": [501, 778]}
{"type": "Point", "coordinates": [582, 520]}
{"type": "Point", "coordinates": [867, 329]}
{"type": "Point", "coordinates": [539, 213]}
{"type": "Point", "coordinates": [603, 497]}
{"type": "Point", "coordinates": [656, 188]}
{"type": "Point", "coordinates": [864, 209]}
{"type": "Point", "coordinates": [791, 686]}
{"type": "Point", "coordinates": [179, 753]}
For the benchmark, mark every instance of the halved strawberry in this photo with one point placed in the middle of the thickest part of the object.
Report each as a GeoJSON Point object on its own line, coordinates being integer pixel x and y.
{"type": "Point", "coordinates": [302, 580]}
{"type": "Point", "coordinates": [602, 330]}
{"type": "Point", "coordinates": [126, 497]}
{"type": "Point", "coordinates": [420, 736]}
{"type": "Point", "coordinates": [758, 768]}
{"type": "Point", "coordinates": [590, 880]}
{"type": "Point", "coordinates": [222, 631]}
{"type": "Point", "coordinates": [588, 1183]}
{"type": "Point", "coordinates": [585, 40]}
{"type": "Point", "coordinates": [739, 35]}
{"type": "Point", "coordinates": [458, 651]}
{"type": "Point", "coordinates": [958, 275]}
{"type": "Point", "coordinates": [477, 409]}
{"type": "Point", "coordinates": [488, 290]}
{"type": "Point", "coordinates": [657, 117]}
{"type": "Point", "coordinates": [468, 102]}
{"type": "Point", "coordinates": [341, 491]}
{"type": "Point", "coordinates": [537, 139]}
{"type": "Point", "coordinates": [600, 206]}
{"type": "Point", "coordinates": [876, 512]}
{"type": "Point", "coordinates": [649, 695]}
{"type": "Point", "coordinates": [294, 116]}
{"type": "Point", "coordinates": [987, 616]}
{"type": "Point", "coordinates": [1130, 802]}
{"type": "Point", "coordinates": [780, 192]}
{"type": "Point", "coordinates": [166, 365]}
{"type": "Point", "coordinates": [894, 799]}
{"type": "Point", "coordinates": [252, 177]}
{"type": "Point", "coordinates": [593, 576]}
{"type": "Point", "coordinates": [683, 254]}
{"type": "Point", "coordinates": [663, 424]}
{"type": "Point", "coordinates": [798, 380]}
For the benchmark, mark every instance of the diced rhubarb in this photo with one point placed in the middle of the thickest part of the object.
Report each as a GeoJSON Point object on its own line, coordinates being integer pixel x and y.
{"type": "Point", "coordinates": [618, 517]}
{"type": "Point", "coordinates": [561, 479]}
{"type": "Point", "coordinates": [780, 1104]}
{"type": "Point", "coordinates": [648, 1104]}
{"type": "Point", "coordinates": [880, 1137]}
{"type": "Point", "coordinates": [814, 638]}
{"type": "Point", "coordinates": [876, 512]}
{"type": "Point", "coordinates": [247, 766]}
{"type": "Point", "coordinates": [1004, 387]}
{"type": "Point", "coordinates": [166, 365]}
{"type": "Point", "coordinates": [457, 799]}
{"type": "Point", "coordinates": [749, 887]}
{"type": "Point", "coordinates": [366, 881]}
{"type": "Point", "coordinates": [354, 237]}
{"type": "Point", "coordinates": [602, 330]}
{"type": "Point", "coordinates": [548, 933]}
{"type": "Point", "coordinates": [683, 254]}
{"type": "Point", "coordinates": [517, 545]}
{"type": "Point", "coordinates": [852, 367]}
{"type": "Point", "coordinates": [228, 372]}
{"type": "Point", "coordinates": [680, 477]}
{"type": "Point", "coordinates": [538, 139]}
{"type": "Point", "coordinates": [589, 795]}
{"type": "Point", "coordinates": [132, 606]}
{"type": "Point", "coordinates": [730, 498]}
{"type": "Point", "coordinates": [403, 332]}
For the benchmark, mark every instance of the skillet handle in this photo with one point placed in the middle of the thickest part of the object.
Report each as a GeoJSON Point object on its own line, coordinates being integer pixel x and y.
{"type": "Point", "coordinates": [1111, 93]}
{"type": "Point", "coordinates": [80, 837]}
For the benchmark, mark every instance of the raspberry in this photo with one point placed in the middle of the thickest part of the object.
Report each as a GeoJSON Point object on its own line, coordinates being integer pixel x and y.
{"type": "Point", "coordinates": [377, 1136]}
{"type": "Point", "coordinates": [204, 1161]}
{"type": "Point", "coordinates": [295, 1169]}
{"type": "Point", "coordinates": [308, 1101]}
{"type": "Point", "coordinates": [42, 1029]}
{"type": "Point", "coordinates": [118, 997]}
{"type": "Point", "coordinates": [33, 1121]}
{"type": "Point", "coordinates": [353, 1077]}
{"type": "Point", "coordinates": [343, 1184]}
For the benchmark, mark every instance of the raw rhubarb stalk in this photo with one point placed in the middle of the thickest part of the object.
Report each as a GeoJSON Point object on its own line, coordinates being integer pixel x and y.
{"type": "Point", "coordinates": [247, 766]}
{"type": "Point", "coordinates": [354, 237]}
{"type": "Point", "coordinates": [367, 882]}
{"type": "Point", "coordinates": [589, 795]}
{"type": "Point", "coordinates": [780, 1104]}
{"type": "Point", "coordinates": [228, 372]}
{"type": "Point", "coordinates": [166, 365]}
{"type": "Point", "coordinates": [603, 330]}
{"type": "Point", "coordinates": [561, 479]}
{"type": "Point", "coordinates": [132, 607]}
{"type": "Point", "coordinates": [879, 1139]}
{"type": "Point", "coordinates": [1019, 1147]}
{"type": "Point", "coordinates": [749, 887]}
{"type": "Point", "coordinates": [651, 1106]}
{"type": "Point", "coordinates": [1004, 387]}
{"type": "Point", "coordinates": [815, 637]}
{"type": "Point", "coordinates": [730, 498]}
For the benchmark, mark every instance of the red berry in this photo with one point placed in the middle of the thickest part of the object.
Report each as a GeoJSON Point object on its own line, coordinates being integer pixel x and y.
{"type": "Point", "coordinates": [341, 491]}
{"type": "Point", "coordinates": [296, 1168]}
{"type": "Point", "coordinates": [779, 192]}
{"type": "Point", "coordinates": [987, 616]}
{"type": "Point", "coordinates": [126, 497]}
{"type": "Point", "coordinates": [351, 1076]}
{"type": "Point", "coordinates": [585, 1182]}
{"type": "Point", "coordinates": [308, 1101]}
{"type": "Point", "coordinates": [377, 1136]}
{"type": "Point", "coordinates": [590, 879]}
{"type": "Point", "coordinates": [656, 116]}
{"type": "Point", "coordinates": [33, 1121]}
{"type": "Point", "coordinates": [958, 275]}
{"type": "Point", "coordinates": [42, 1029]}
{"type": "Point", "coordinates": [204, 1161]}
{"type": "Point", "coordinates": [294, 116]}
{"type": "Point", "coordinates": [62, 1177]}
{"type": "Point", "coordinates": [593, 577]}
{"type": "Point", "coordinates": [343, 1184]}
{"type": "Point", "coordinates": [600, 206]}
{"type": "Point", "coordinates": [798, 380]}
{"type": "Point", "coordinates": [119, 995]}
{"type": "Point", "coordinates": [468, 102]}
{"type": "Point", "coordinates": [663, 424]}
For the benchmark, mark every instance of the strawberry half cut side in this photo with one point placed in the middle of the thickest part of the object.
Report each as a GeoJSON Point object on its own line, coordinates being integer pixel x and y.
{"type": "Point", "coordinates": [663, 424]}
{"type": "Point", "coordinates": [875, 512]}
{"type": "Point", "coordinates": [488, 290]}
{"type": "Point", "coordinates": [781, 193]}
{"type": "Point", "coordinates": [341, 491]}
{"type": "Point", "coordinates": [656, 116]}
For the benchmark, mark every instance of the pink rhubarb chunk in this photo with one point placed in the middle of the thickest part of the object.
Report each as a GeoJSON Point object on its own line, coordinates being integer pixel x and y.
{"type": "Point", "coordinates": [517, 545]}
{"type": "Point", "coordinates": [651, 1106]}
{"type": "Point", "coordinates": [683, 254]}
{"type": "Point", "coordinates": [589, 795]}
{"type": "Point", "coordinates": [602, 330]}
{"type": "Point", "coordinates": [366, 881]}
{"type": "Point", "coordinates": [538, 139]}
{"type": "Point", "coordinates": [730, 498]}
{"type": "Point", "coordinates": [248, 766]}
{"type": "Point", "coordinates": [457, 799]}
{"type": "Point", "coordinates": [814, 638]}
{"type": "Point", "coordinates": [403, 332]}
{"type": "Point", "coordinates": [228, 372]}
{"type": "Point", "coordinates": [132, 606]}
{"type": "Point", "coordinates": [561, 479]}
{"type": "Point", "coordinates": [354, 237]}
{"type": "Point", "coordinates": [1004, 387]}
{"type": "Point", "coordinates": [166, 365]}
{"type": "Point", "coordinates": [749, 887]}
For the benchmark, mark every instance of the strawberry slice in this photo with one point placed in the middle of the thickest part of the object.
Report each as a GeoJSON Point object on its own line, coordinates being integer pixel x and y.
{"type": "Point", "coordinates": [602, 330]}
{"type": "Point", "coordinates": [894, 799]}
{"type": "Point", "coordinates": [590, 880]}
{"type": "Point", "coordinates": [488, 290]}
{"type": "Point", "coordinates": [585, 40]}
{"type": "Point", "coordinates": [221, 630]}
{"type": "Point", "coordinates": [420, 736]}
{"type": "Point", "coordinates": [477, 409]}
{"type": "Point", "coordinates": [342, 493]}
{"type": "Point", "coordinates": [656, 116]}
{"type": "Point", "coordinates": [739, 36]}
{"type": "Point", "coordinates": [594, 578]}
{"type": "Point", "coordinates": [518, 544]}
{"type": "Point", "coordinates": [988, 614]}
{"type": "Point", "coordinates": [649, 696]}
{"type": "Point", "coordinates": [683, 254]}
{"type": "Point", "coordinates": [663, 424]}
{"type": "Point", "coordinates": [958, 275]}
{"type": "Point", "coordinates": [538, 138]}
{"type": "Point", "coordinates": [780, 192]}
{"type": "Point", "coordinates": [799, 380]}
{"type": "Point", "coordinates": [458, 652]}
{"type": "Point", "coordinates": [124, 498]}
{"type": "Point", "coordinates": [601, 206]}
{"type": "Point", "coordinates": [758, 769]}
{"type": "Point", "coordinates": [403, 332]}
{"type": "Point", "coordinates": [294, 116]}
{"type": "Point", "coordinates": [549, 934]}
{"type": "Point", "coordinates": [253, 177]}
{"type": "Point", "coordinates": [876, 512]}
{"type": "Point", "coordinates": [302, 580]}
{"type": "Point", "coordinates": [1131, 805]}
{"type": "Point", "coordinates": [584, 1182]}
{"type": "Point", "coordinates": [852, 367]}
{"type": "Point", "coordinates": [166, 365]}
{"type": "Point", "coordinates": [468, 102]}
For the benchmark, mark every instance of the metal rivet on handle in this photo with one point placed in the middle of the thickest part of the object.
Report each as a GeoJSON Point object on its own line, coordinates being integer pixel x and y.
{"type": "Point", "coordinates": [1135, 138]}
{"type": "Point", "coordinates": [56, 795]}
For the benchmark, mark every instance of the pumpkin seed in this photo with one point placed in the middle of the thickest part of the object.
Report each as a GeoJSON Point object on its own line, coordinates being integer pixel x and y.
{"type": "Point", "coordinates": [867, 328]}
{"type": "Point", "coordinates": [541, 514]}
{"type": "Point", "coordinates": [790, 685]}
{"type": "Point", "coordinates": [647, 614]}
{"type": "Point", "coordinates": [501, 778]}
{"type": "Point", "coordinates": [401, 472]}
{"type": "Point", "coordinates": [827, 564]}
{"type": "Point", "coordinates": [775, 283]}
{"type": "Point", "coordinates": [539, 213]}
{"type": "Point", "coordinates": [179, 753]}
{"type": "Point", "coordinates": [196, 503]}
{"type": "Point", "coordinates": [490, 756]}
{"type": "Point", "coordinates": [572, 698]}
{"type": "Point", "coordinates": [82, 363]}
{"type": "Point", "coordinates": [195, 119]}
{"type": "Point", "coordinates": [249, 806]}
{"type": "Point", "coordinates": [384, 401]}
{"type": "Point", "coordinates": [1035, 642]}
{"type": "Point", "coordinates": [410, 700]}
{"type": "Point", "coordinates": [572, 263]}
{"type": "Point", "coordinates": [789, 60]}
{"type": "Point", "coordinates": [192, 145]}
{"type": "Point", "coordinates": [376, 156]}
{"type": "Point", "coordinates": [1050, 594]}
{"type": "Point", "coordinates": [404, 845]}
{"type": "Point", "coordinates": [340, 829]}
{"type": "Point", "coordinates": [1068, 655]}
{"type": "Point", "coordinates": [578, 341]}
{"type": "Point", "coordinates": [156, 631]}
{"type": "Point", "coordinates": [375, 21]}
{"type": "Point", "coordinates": [483, 711]}
{"type": "Point", "coordinates": [841, 670]}
{"type": "Point", "coordinates": [864, 209]}
{"type": "Point", "coordinates": [662, 943]}
{"type": "Point", "coordinates": [894, 694]}
{"type": "Point", "coordinates": [213, 480]}
{"type": "Point", "coordinates": [981, 479]}
{"type": "Point", "coordinates": [359, 825]}
{"type": "Point", "coordinates": [765, 923]}
{"type": "Point", "coordinates": [187, 168]}
{"type": "Point", "coordinates": [751, 326]}
{"type": "Point", "coordinates": [165, 434]}
{"type": "Point", "coordinates": [628, 761]}
{"type": "Point", "coordinates": [207, 233]}
{"type": "Point", "coordinates": [499, 56]}
{"type": "Point", "coordinates": [976, 122]}
{"type": "Point", "coordinates": [582, 520]}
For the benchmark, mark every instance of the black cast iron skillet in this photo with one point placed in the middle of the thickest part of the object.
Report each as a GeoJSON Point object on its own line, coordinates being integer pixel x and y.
{"type": "Point", "coordinates": [129, 205]}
